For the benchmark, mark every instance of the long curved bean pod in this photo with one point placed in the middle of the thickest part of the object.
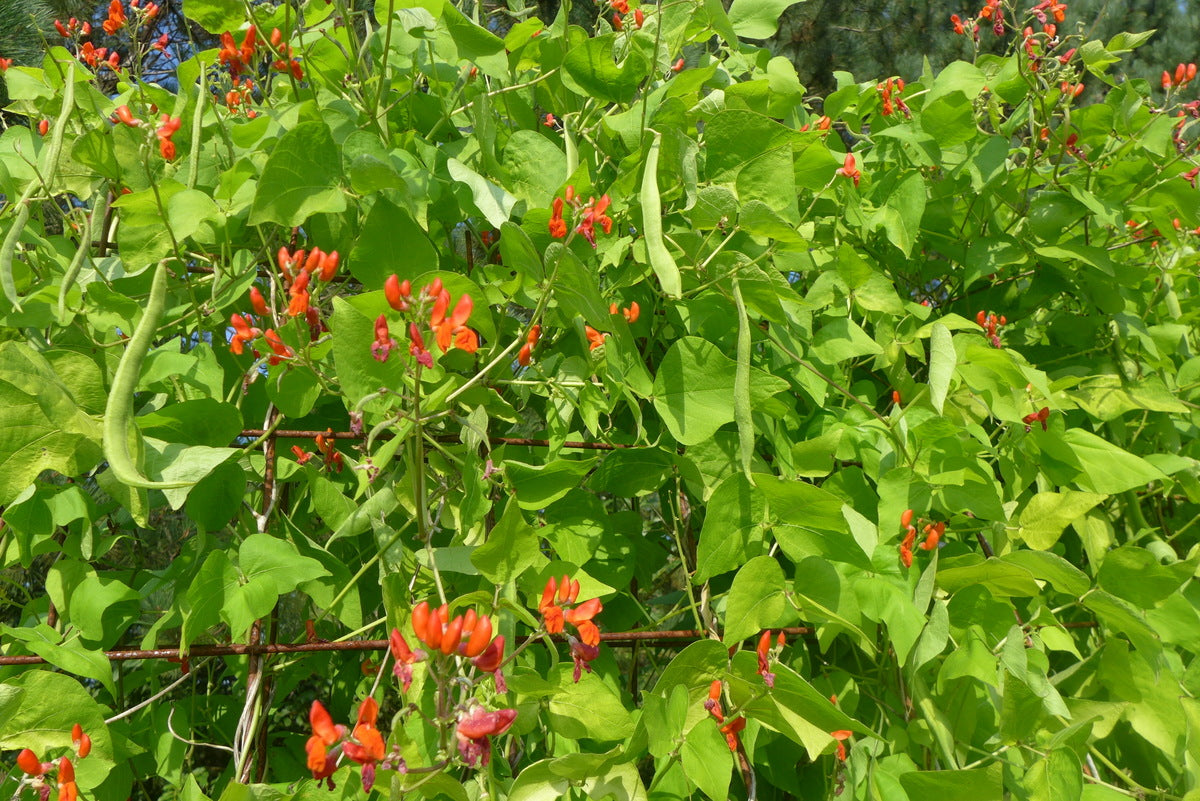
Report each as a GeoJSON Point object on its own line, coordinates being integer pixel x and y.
{"type": "Point", "coordinates": [118, 412]}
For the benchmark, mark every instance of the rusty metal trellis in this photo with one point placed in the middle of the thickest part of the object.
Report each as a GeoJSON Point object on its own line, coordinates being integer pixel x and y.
{"type": "Point", "coordinates": [616, 638]}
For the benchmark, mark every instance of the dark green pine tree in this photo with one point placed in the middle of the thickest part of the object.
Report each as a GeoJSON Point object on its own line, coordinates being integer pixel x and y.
{"type": "Point", "coordinates": [878, 38]}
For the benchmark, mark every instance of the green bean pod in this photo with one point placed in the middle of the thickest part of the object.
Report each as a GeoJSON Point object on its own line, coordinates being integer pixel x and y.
{"type": "Point", "coordinates": [118, 412]}
{"type": "Point", "coordinates": [99, 209]}
{"type": "Point", "coordinates": [8, 250]}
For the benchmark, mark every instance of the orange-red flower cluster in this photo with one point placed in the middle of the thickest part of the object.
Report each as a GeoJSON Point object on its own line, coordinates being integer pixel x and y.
{"type": "Point", "coordinates": [630, 312]}
{"type": "Point", "coordinates": [329, 741]}
{"type": "Point", "coordinates": [72, 28]}
{"type": "Point", "coordinates": [729, 728]}
{"type": "Point", "coordinates": [558, 607]}
{"type": "Point", "coordinates": [1054, 8]}
{"type": "Point", "coordinates": [37, 771]}
{"type": "Point", "coordinates": [116, 18]}
{"type": "Point", "coordinates": [763, 652]}
{"type": "Point", "coordinates": [933, 533]}
{"type": "Point", "coordinates": [849, 170]}
{"type": "Point", "coordinates": [593, 215]}
{"type": "Point", "coordinates": [468, 635]}
{"type": "Point", "coordinates": [558, 226]}
{"type": "Point", "coordinates": [169, 125]}
{"type": "Point", "coordinates": [525, 355]}
{"type": "Point", "coordinates": [890, 91]}
{"type": "Point", "coordinates": [448, 326]}
{"type": "Point", "coordinates": [5, 63]}
{"type": "Point", "coordinates": [841, 735]}
{"type": "Point", "coordinates": [96, 57]}
{"type": "Point", "coordinates": [595, 338]}
{"type": "Point", "coordinates": [475, 726]}
{"type": "Point", "coordinates": [1040, 416]}
{"type": "Point", "coordinates": [990, 323]}
{"type": "Point", "coordinates": [237, 58]}
{"type": "Point", "coordinates": [305, 265]}
{"type": "Point", "coordinates": [243, 332]}
{"type": "Point", "coordinates": [285, 63]}
{"type": "Point", "coordinates": [1184, 74]}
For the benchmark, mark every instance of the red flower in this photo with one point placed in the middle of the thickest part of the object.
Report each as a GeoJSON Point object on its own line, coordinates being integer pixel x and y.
{"type": "Point", "coordinates": [840, 735]}
{"type": "Point", "coordinates": [397, 292]}
{"type": "Point", "coordinates": [5, 63]}
{"type": "Point", "coordinates": [558, 226]}
{"type": "Point", "coordinates": [126, 117]}
{"type": "Point", "coordinates": [957, 23]}
{"type": "Point", "coordinates": [366, 748]}
{"type": "Point", "coordinates": [405, 658]}
{"type": "Point", "coordinates": [593, 213]}
{"type": "Point", "coordinates": [595, 338]}
{"type": "Point", "coordinates": [164, 133]}
{"type": "Point", "coordinates": [583, 654]}
{"type": "Point", "coordinates": [631, 312]}
{"type": "Point", "coordinates": [325, 733]}
{"type": "Point", "coordinates": [417, 346]}
{"type": "Point", "coordinates": [302, 456]}
{"type": "Point", "coordinates": [29, 763]}
{"type": "Point", "coordinates": [729, 728]}
{"type": "Point", "coordinates": [116, 18]}
{"type": "Point", "coordinates": [242, 333]}
{"type": "Point", "coordinates": [849, 170]}
{"type": "Point", "coordinates": [549, 122]}
{"type": "Point", "coordinates": [475, 726]}
{"type": "Point", "coordinates": [383, 344]}
{"type": "Point", "coordinates": [620, 6]}
{"type": "Point", "coordinates": [639, 18]}
{"type": "Point", "coordinates": [764, 656]}
{"type": "Point", "coordinates": [452, 331]}
{"type": "Point", "coordinates": [299, 294]}
{"type": "Point", "coordinates": [280, 350]}
{"type": "Point", "coordinates": [82, 743]}
{"type": "Point", "coordinates": [579, 616]}
{"type": "Point", "coordinates": [67, 789]}
{"type": "Point", "coordinates": [258, 302]}
{"type": "Point", "coordinates": [490, 661]}
{"type": "Point", "coordinates": [43, 127]}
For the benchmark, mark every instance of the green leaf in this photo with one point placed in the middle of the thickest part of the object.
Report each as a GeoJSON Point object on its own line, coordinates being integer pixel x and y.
{"type": "Point", "coordinates": [276, 564]}
{"type": "Point", "coordinates": [588, 708]}
{"type": "Point", "coordinates": [983, 784]}
{"type": "Point", "coordinates": [493, 201]}
{"type": "Point", "coordinates": [707, 760]}
{"type": "Point", "coordinates": [538, 486]}
{"type": "Point", "coordinates": [69, 655]}
{"type": "Point", "coordinates": [39, 707]}
{"type": "Point", "coordinates": [733, 528]}
{"type": "Point", "coordinates": [756, 600]}
{"type": "Point", "coordinates": [942, 359]}
{"type": "Point", "coordinates": [1048, 513]}
{"type": "Point", "coordinates": [1135, 574]}
{"type": "Point", "coordinates": [758, 19]}
{"type": "Point", "coordinates": [216, 16]}
{"type": "Point", "coordinates": [842, 340]}
{"type": "Point", "coordinates": [793, 707]}
{"type": "Point", "coordinates": [693, 391]}
{"type": "Point", "coordinates": [390, 241]}
{"type": "Point", "coordinates": [1001, 578]}
{"type": "Point", "coordinates": [204, 421]}
{"type": "Point", "coordinates": [301, 178]}
{"type": "Point", "coordinates": [900, 217]}
{"type": "Point", "coordinates": [807, 521]}
{"type": "Point", "coordinates": [591, 71]}
{"type": "Point", "coordinates": [536, 168]}
{"type": "Point", "coordinates": [40, 426]}
{"type": "Point", "coordinates": [1057, 777]}
{"type": "Point", "coordinates": [1107, 468]}
{"type": "Point", "coordinates": [511, 549]}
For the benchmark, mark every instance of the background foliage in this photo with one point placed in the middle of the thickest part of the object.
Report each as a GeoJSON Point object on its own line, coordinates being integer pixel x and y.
{"type": "Point", "coordinates": [983, 313]}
